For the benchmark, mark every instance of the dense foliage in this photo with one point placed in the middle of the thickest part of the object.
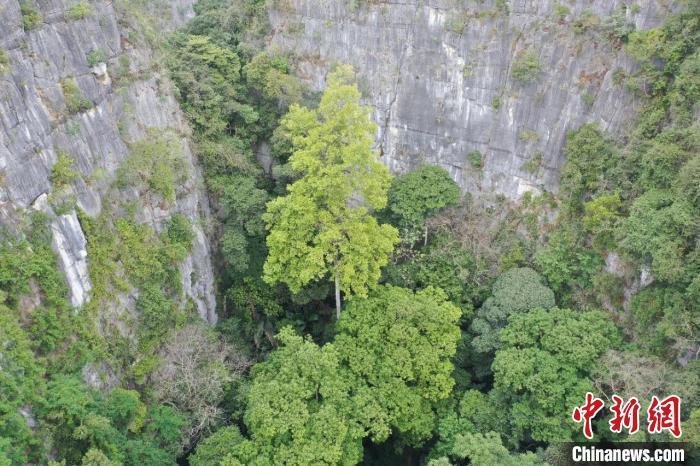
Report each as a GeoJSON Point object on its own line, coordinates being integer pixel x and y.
{"type": "Point", "coordinates": [469, 327]}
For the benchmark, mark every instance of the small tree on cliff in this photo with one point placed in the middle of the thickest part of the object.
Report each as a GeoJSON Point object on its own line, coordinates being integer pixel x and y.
{"type": "Point", "coordinates": [324, 226]}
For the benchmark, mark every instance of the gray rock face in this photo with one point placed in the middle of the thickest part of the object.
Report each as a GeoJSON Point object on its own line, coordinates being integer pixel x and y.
{"type": "Point", "coordinates": [69, 241]}
{"type": "Point", "coordinates": [127, 97]}
{"type": "Point", "coordinates": [440, 77]}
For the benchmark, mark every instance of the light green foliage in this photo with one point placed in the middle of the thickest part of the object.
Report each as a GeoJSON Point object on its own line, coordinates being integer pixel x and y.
{"type": "Point", "coordinates": [399, 345]}
{"type": "Point", "coordinates": [418, 195]}
{"type": "Point", "coordinates": [517, 290]}
{"type": "Point", "coordinates": [561, 11]}
{"type": "Point", "coordinates": [95, 57]}
{"type": "Point", "coordinates": [73, 97]}
{"type": "Point", "coordinates": [214, 448]}
{"type": "Point", "coordinates": [299, 408]}
{"type": "Point", "coordinates": [270, 75]}
{"type": "Point", "coordinates": [529, 136]}
{"type": "Point", "coordinates": [55, 325]}
{"type": "Point", "coordinates": [95, 457]}
{"type": "Point", "coordinates": [324, 226]}
{"type": "Point", "coordinates": [487, 450]}
{"type": "Point", "coordinates": [534, 164]}
{"type": "Point", "coordinates": [31, 18]}
{"type": "Point", "coordinates": [156, 164]}
{"type": "Point", "coordinates": [600, 218]}
{"type": "Point", "coordinates": [541, 369]}
{"type": "Point", "coordinates": [63, 172]}
{"type": "Point", "coordinates": [126, 255]}
{"type": "Point", "coordinates": [78, 11]}
{"type": "Point", "coordinates": [691, 429]}
{"type": "Point", "coordinates": [21, 384]}
{"type": "Point", "coordinates": [526, 67]}
{"type": "Point", "coordinates": [388, 366]}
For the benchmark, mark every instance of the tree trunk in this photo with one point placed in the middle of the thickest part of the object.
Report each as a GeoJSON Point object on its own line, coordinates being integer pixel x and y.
{"type": "Point", "coordinates": [337, 295]}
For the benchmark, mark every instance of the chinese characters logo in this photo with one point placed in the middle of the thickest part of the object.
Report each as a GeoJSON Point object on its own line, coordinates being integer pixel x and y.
{"type": "Point", "coordinates": [662, 415]}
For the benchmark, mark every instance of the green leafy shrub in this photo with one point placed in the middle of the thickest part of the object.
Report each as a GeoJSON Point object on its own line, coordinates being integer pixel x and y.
{"type": "Point", "coordinates": [590, 155]}
{"type": "Point", "coordinates": [95, 57]}
{"type": "Point", "coordinates": [534, 164]}
{"type": "Point", "coordinates": [526, 67]}
{"type": "Point", "coordinates": [475, 159]}
{"type": "Point", "coordinates": [63, 172]}
{"type": "Point", "coordinates": [78, 11]}
{"type": "Point", "coordinates": [529, 136]}
{"type": "Point", "coordinates": [31, 18]}
{"type": "Point", "coordinates": [561, 11]}
{"type": "Point", "coordinates": [74, 99]}
{"type": "Point", "coordinates": [156, 164]}
{"type": "Point", "coordinates": [4, 62]}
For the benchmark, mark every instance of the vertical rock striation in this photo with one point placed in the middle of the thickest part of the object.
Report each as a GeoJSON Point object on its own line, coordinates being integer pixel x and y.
{"type": "Point", "coordinates": [443, 78]}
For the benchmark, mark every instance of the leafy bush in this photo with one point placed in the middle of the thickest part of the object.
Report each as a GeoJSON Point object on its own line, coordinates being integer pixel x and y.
{"type": "Point", "coordinates": [475, 159]}
{"type": "Point", "coordinates": [529, 136]}
{"type": "Point", "coordinates": [561, 11]}
{"type": "Point", "coordinates": [4, 61]}
{"type": "Point", "coordinates": [534, 164]}
{"type": "Point", "coordinates": [95, 57]}
{"type": "Point", "coordinates": [526, 67]}
{"type": "Point", "coordinates": [78, 11]}
{"type": "Point", "coordinates": [73, 97]}
{"type": "Point", "coordinates": [62, 172]}
{"type": "Point", "coordinates": [31, 18]}
{"type": "Point", "coordinates": [156, 164]}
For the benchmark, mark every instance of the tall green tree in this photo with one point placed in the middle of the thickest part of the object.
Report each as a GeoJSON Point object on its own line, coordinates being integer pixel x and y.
{"type": "Point", "coordinates": [324, 225]}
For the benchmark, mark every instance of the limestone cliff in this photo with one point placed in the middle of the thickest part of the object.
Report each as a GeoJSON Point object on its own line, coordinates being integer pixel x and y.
{"type": "Point", "coordinates": [80, 82]}
{"type": "Point", "coordinates": [450, 84]}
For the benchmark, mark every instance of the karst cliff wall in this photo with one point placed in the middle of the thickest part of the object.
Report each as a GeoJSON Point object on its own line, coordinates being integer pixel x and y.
{"type": "Point", "coordinates": [442, 77]}
{"type": "Point", "coordinates": [125, 99]}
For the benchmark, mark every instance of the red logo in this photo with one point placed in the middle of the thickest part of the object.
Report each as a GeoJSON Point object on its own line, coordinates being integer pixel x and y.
{"type": "Point", "coordinates": [662, 415]}
{"type": "Point", "coordinates": [587, 412]}
{"type": "Point", "coordinates": [625, 415]}
{"type": "Point", "coordinates": [665, 415]}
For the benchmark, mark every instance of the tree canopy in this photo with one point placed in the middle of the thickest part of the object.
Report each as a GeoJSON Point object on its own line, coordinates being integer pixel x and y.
{"type": "Point", "coordinates": [324, 228]}
{"type": "Point", "coordinates": [417, 195]}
